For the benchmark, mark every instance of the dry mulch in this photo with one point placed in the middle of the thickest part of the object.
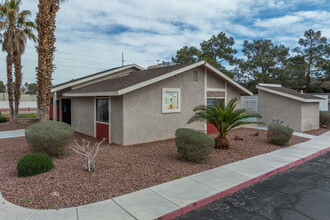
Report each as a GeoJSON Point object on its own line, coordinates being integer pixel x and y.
{"type": "Point", "coordinates": [21, 124]}
{"type": "Point", "coordinates": [317, 132]}
{"type": "Point", "coordinates": [119, 170]}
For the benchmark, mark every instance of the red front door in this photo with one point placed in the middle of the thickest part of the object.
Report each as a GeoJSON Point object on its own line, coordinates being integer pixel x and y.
{"type": "Point", "coordinates": [102, 131]}
{"type": "Point", "coordinates": [211, 128]}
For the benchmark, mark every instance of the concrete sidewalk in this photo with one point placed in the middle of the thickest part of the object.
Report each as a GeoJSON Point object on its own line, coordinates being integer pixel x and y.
{"type": "Point", "coordinates": [296, 133]}
{"type": "Point", "coordinates": [12, 134]}
{"type": "Point", "coordinates": [302, 192]}
{"type": "Point", "coordinates": [172, 199]}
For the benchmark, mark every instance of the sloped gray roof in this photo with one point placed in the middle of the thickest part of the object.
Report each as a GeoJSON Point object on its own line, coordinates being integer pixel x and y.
{"type": "Point", "coordinates": [289, 93]}
{"type": "Point", "coordinates": [128, 79]}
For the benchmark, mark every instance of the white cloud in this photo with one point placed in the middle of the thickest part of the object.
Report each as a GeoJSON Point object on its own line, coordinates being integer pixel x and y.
{"type": "Point", "coordinates": [278, 22]}
{"type": "Point", "coordinates": [154, 30]}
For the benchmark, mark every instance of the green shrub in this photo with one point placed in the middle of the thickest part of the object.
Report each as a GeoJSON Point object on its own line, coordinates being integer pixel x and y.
{"type": "Point", "coordinates": [193, 145]}
{"type": "Point", "coordinates": [279, 134]}
{"type": "Point", "coordinates": [325, 118]}
{"type": "Point", "coordinates": [33, 164]}
{"type": "Point", "coordinates": [49, 137]}
{"type": "Point", "coordinates": [3, 119]}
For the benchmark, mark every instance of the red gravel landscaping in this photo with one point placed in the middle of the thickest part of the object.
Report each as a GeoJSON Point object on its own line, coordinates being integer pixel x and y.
{"type": "Point", "coordinates": [317, 132]}
{"type": "Point", "coordinates": [21, 124]}
{"type": "Point", "coordinates": [119, 170]}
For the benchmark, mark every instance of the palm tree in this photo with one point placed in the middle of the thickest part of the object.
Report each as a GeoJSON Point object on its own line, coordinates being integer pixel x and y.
{"type": "Point", "coordinates": [46, 28]}
{"type": "Point", "coordinates": [224, 118]}
{"type": "Point", "coordinates": [16, 31]}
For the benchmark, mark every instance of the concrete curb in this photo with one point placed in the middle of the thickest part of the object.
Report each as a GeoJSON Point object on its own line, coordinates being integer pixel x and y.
{"type": "Point", "coordinates": [224, 193]}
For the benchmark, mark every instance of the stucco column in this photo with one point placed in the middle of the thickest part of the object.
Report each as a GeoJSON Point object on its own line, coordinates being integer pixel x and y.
{"type": "Point", "coordinates": [60, 109]}
{"type": "Point", "coordinates": [226, 94]}
{"type": "Point", "coordinates": [54, 107]}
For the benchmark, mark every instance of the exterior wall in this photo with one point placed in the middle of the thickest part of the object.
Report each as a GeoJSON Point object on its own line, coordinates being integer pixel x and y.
{"type": "Point", "coordinates": [82, 115]}
{"type": "Point", "coordinates": [273, 106]}
{"type": "Point", "coordinates": [233, 93]}
{"type": "Point", "coordinates": [214, 81]}
{"type": "Point", "coordinates": [143, 120]}
{"type": "Point", "coordinates": [116, 120]}
{"type": "Point", "coordinates": [310, 116]}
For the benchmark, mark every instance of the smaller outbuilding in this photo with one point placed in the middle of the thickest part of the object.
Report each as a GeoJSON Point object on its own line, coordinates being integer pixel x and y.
{"type": "Point", "coordinates": [297, 110]}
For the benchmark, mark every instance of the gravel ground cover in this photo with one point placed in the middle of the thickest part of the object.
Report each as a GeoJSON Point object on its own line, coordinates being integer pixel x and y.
{"type": "Point", "coordinates": [317, 132]}
{"type": "Point", "coordinates": [21, 124]}
{"type": "Point", "coordinates": [119, 170]}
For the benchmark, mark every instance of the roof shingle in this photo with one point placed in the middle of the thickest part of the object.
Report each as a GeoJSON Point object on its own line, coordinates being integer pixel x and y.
{"type": "Point", "coordinates": [292, 92]}
{"type": "Point", "coordinates": [126, 80]}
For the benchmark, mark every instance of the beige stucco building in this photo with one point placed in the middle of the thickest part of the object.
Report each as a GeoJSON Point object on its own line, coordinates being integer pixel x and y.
{"type": "Point", "coordinates": [297, 110]}
{"type": "Point", "coordinates": [129, 105]}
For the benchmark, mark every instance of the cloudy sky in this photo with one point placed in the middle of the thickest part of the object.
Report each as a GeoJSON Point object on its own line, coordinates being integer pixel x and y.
{"type": "Point", "coordinates": [91, 35]}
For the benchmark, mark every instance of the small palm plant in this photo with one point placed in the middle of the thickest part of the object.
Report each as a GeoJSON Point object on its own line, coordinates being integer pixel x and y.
{"type": "Point", "coordinates": [224, 118]}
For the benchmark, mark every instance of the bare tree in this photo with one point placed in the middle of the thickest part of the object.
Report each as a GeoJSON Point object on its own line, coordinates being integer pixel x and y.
{"type": "Point", "coordinates": [87, 153]}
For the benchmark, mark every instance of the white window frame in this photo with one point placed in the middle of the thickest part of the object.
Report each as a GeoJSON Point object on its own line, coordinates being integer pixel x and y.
{"type": "Point", "coordinates": [104, 98]}
{"type": "Point", "coordinates": [164, 110]}
{"type": "Point", "coordinates": [223, 98]}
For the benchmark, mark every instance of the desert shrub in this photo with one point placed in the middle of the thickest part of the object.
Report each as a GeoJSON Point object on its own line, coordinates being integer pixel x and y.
{"type": "Point", "coordinates": [49, 137]}
{"type": "Point", "coordinates": [193, 145]}
{"type": "Point", "coordinates": [279, 134]}
{"type": "Point", "coordinates": [3, 119]}
{"type": "Point", "coordinates": [33, 164]}
{"type": "Point", "coordinates": [325, 118]}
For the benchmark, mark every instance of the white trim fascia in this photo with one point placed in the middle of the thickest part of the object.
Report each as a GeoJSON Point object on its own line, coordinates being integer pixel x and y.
{"type": "Point", "coordinates": [87, 94]}
{"type": "Point", "coordinates": [215, 90]}
{"type": "Point", "coordinates": [269, 84]}
{"type": "Point", "coordinates": [216, 98]}
{"type": "Point", "coordinates": [159, 78]}
{"type": "Point", "coordinates": [287, 95]}
{"type": "Point", "coordinates": [228, 79]}
{"type": "Point", "coordinates": [55, 89]}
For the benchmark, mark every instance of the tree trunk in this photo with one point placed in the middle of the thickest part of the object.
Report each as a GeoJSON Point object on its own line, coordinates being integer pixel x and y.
{"type": "Point", "coordinates": [18, 83]}
{"type": "Point", "coordinates": [46, 40]}
{"type": "Point", "coordinates": [308, 77]}
{"type": "Point", "coordinates": [44, 114]}
{"type": "Point", "coordinates": [10, 85]}
{"type": "Point", "coordinates": [221, 142]}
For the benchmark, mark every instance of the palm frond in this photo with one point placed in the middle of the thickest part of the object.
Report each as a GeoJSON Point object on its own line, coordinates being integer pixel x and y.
{"type": "Point", "coordinates": [224, 118]}
{"type": "Point", "coordinates": [17, 28]}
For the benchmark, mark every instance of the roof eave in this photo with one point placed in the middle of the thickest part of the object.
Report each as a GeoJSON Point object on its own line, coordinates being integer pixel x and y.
{"type": "Point", "coordinates": [70, 84]}
{"type": "Point", "coordinates": [288, 95]}
{"type": "Point", "coordinates": [159, 78]}
{"type": "Point", "coordinates": [90, 94]}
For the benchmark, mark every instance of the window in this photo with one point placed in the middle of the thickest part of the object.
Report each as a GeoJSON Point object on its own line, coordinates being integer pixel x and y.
{"type": "Point", "coordinates": [196, 76]}
{"type": "Point", "coordinates": [102, 110]}
{"type": "Point", "coordinates": [171, 100]}
{"type": "Point", "coordinates": [213, 101]}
